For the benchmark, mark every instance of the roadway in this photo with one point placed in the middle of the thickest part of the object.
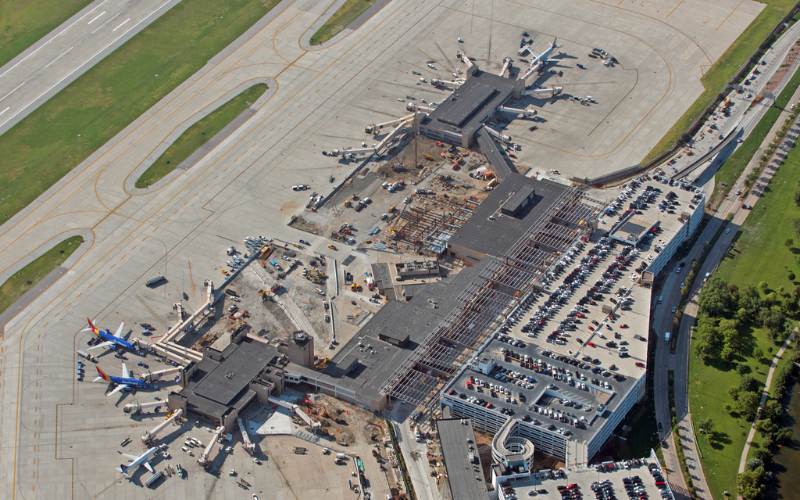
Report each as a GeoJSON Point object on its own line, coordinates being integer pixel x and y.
{"type": "Point", "coordinates": [730, 208]}
{"type": "Point", "coordinates": [67, 52]}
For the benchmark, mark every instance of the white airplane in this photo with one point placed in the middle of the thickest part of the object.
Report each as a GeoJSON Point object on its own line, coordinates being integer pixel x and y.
{"type": "Point", "coordinates": [134, 462]}
{"type": "Point", "coordinates": [543, 58]}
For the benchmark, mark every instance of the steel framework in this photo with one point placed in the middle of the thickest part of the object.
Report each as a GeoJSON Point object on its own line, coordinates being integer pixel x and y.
{"type": "Point", "coordinates": [484, 303]}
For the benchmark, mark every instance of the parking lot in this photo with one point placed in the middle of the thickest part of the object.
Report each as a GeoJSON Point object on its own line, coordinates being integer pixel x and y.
{"type": "Point", "coordinates": [630, 479]}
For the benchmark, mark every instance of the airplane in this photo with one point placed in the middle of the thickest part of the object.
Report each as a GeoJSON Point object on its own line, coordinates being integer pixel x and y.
{"type": "Point", "coordinates": [111, 340]}
{"type": "Point", "coordinates": [123, 383]}
{"type": "Point", "coordinates": [543, 58]}
{"type": "Point", "coordinates": [134, 462]}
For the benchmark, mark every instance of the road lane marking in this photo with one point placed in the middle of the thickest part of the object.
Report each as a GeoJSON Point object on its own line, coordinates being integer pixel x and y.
{"type": "Point", "coordinates": [37, 49]}
{"type": "Point", "coordinates": [7, 108]}
{"type": "Point", "coordinates": [120, 25]}
{"type": "Point", "coordinates": [58, 57]}
{"type": "Point", "coordinates": [98, 16]}
{"type": "Point", "coordinates": [12, 91]}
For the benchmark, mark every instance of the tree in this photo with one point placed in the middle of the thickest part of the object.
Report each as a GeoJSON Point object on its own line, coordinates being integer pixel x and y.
{"type": "Point", "coordinates": [747, 404]}
{"type": "Point", "coordinates": [708, 340]}
{"type": "Point", "coordinates": [733, 340]}
{"type": "Point", "coordinates": [706, 426]}
{"type": "Point", "coordinates": [718, 299]}
{"type": "Point", "coordinates": [751, 483]}
{"type": "Point", "coordinates": [749, 304]}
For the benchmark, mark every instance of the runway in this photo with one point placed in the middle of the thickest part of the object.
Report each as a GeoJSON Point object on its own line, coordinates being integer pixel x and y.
{"type": "Point", "coordinates": [59, 436]}
{"type": "Point", "coordinates": [67, 52]}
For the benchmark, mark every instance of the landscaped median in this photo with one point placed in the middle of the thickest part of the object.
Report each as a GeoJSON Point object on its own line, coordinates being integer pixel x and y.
{"type": "Point", "coordinates": [27, 277]}
{"type": "Point", "coordinates": [746, 312]}
{"type": "Point", "coordinates": [346, 14]}
{"type": "Point", "coordinates": [716, 79]}
{"type": "Point", "coordinates": [199, 134]}
{"type": "Point", "coordinates": [23, 23]}
{"type": "Point", "coordinates": [73, 124]}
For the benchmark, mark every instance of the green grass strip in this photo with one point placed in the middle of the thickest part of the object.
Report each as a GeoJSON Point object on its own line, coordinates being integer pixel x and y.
{"type": "Point", "coordinates": [759, 254]}
{"type": "Point", "coordinates": [23, 23]}
{"type": "Point", "coordinates": [198, 134]}
{"type": "Point", "coordinates": [716, 79]}
{"type": "Point", "coordinates": [735, 165]}
{"type": "Point", "coordinates": [27, 277]}
{"type": "Point", "coordinates": [346, 14]}
{"type": "Point", "coordinates": [65, 130]}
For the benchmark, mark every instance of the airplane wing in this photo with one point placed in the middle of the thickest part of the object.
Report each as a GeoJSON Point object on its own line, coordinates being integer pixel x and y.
{"type": "Point", "coordinates": [130, 458]}
{"type": "Point", "coordinates": [120, 329]}
{"type": "Point", "coordinates": [149, 467]}
{"type": "Point", "coordinates": [100, 345]}
{"type": "Point", "coordinates": [125, 372]}
{"type": "Point", "coordinates": [117, 389]}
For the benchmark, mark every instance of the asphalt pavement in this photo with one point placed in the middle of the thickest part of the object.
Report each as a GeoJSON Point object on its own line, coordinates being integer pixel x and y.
{"type": "Point", "coordinates": [67, 52]}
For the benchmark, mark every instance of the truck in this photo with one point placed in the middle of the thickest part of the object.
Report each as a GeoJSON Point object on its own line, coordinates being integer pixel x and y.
{"type": "Point", "coordinates": [153, 480]}
{"type": "Point", "coordinates": [155, 281]}
{"type": "Point", "coordinates": [667, 336]}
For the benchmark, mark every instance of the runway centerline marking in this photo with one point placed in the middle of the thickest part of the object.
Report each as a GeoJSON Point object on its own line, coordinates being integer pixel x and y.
{"type": "Point", "coordinates": [120, 25]}
{"type": "Point", "coordinates": [101, 25]}
{"type": "Point", "coordinates": [58, 57]}
{"type": "Point", "coordinates": [7, 108]}
{"type": "Point", "coordinates": [98, 16]}
{"type": "Point", "coordinates": [13, 90]}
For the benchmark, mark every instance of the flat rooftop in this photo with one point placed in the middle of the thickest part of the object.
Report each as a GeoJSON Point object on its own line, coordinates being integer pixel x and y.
{"type": "Point", "coordinates": [461, 458]}
{"type": "Point", "coordinates": [492, 232]}
{"type": "Point", "coordinates": [366, 362]}
{"type": "Point", "coordinates": [611, 476]}
{"type": "Point", "coordinates": [467, 107]}
{"type": "Point", "coordinates": [213, 385]}
{"type": "Point", "coordinates": [558, 392]}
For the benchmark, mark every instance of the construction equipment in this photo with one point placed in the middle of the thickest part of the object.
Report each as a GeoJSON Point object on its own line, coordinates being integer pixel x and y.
{"type": "Point", "coordinates": [356, 287]}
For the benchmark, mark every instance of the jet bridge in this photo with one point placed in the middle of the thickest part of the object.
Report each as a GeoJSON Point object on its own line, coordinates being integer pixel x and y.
{"type": "Point", "coordinates": [151, 435]}
{"type": "Point", "coordinates": [203, 460]}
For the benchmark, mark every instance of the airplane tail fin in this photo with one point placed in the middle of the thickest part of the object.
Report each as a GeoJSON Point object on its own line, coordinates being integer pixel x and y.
{"type": "Point", "coordinates": [123, 469]}
{"type": "Point", "coordinates": [92, 328]}
{"type": "Point", "coordinates": [102, 374]}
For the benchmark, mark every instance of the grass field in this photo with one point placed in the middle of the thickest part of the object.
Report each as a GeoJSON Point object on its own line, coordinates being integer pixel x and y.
{"type": "Point", "coordinates": [708, 395]}
{"type": "Point", "coordinates": [764, 234]}
{"type": "Point", "coordinates": [61, 133]}
{"type": "Point", "coordinates": [733, 167]}
{"type": "Point", "coordinates": [198, 134]}
{"type": "Point", "coordinates": [346, 14]}
{"type": "Point", "coordinates": [27, 277]}
{"type": "Point", "coordinates": [720, 73]}
{"type": "Point", "coordinates": [21, 26]}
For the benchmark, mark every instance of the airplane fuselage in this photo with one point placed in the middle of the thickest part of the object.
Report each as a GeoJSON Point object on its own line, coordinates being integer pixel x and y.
{"type": "Point", "coordinates": [107, 336]}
